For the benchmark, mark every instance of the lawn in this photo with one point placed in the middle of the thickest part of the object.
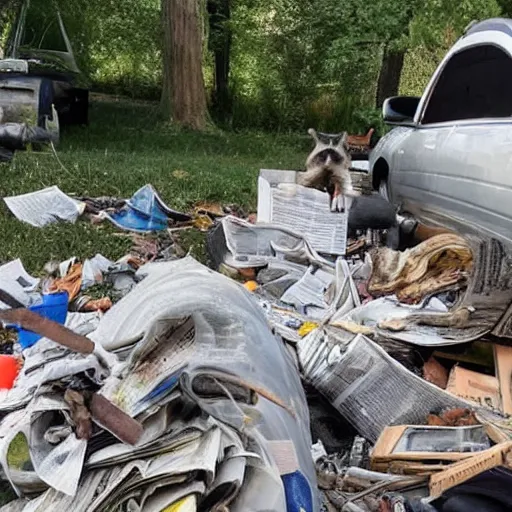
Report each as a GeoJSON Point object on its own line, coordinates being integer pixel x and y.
{"type": "Point", "coordinates": [126, 146]}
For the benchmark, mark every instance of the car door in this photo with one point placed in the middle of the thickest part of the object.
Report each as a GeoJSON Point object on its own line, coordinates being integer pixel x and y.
{"type": "Point", "coordinates": [458, 159]}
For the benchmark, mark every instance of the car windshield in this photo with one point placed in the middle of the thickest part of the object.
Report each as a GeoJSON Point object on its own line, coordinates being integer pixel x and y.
{"type": "Point", "coordinates": [42, 30]}
{"type": "Point", "coordinates": [39, 36]}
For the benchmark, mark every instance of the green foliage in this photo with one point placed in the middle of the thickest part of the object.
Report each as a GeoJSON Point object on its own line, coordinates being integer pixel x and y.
{"type": "Point", "coordinates": [294, 63]}
{"type": "Point", "coordinates": [8, 12]}
{"type": "Point", "coordinates": [420, 63]}
{"type": "Point", "coordinates": [440, 22]}
{"type": "Point", "coordinates": [298, 64]}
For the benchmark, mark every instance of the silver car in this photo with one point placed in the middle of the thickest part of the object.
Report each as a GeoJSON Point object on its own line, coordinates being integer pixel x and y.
{"type": "Point", "coordinates": [450, 158]}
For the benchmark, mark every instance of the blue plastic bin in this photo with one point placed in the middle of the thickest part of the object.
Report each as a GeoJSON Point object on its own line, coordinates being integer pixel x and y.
{"type": "Point", "coordinates": [54, 307]}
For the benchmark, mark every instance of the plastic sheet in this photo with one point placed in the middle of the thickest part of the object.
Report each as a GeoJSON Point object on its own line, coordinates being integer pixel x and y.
{"type": "Point", "coordinates": [145, 212]}
{"type": "Point", "coordinates": [448, 439]}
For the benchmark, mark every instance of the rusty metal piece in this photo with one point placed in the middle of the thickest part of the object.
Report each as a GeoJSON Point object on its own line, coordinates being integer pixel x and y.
{"type": "Point", "coordinates": [113, 419]}
{"type": "Point", "coordinates": [31, 321]}
{"type": "Point", "coordinates": [356, 246]}
{"type": "Point", "coordinates": [436, 373]}
{"type": "Point", "coordinates": [79, 413]}
{"type": "Point", "coordinates": [457, 417]}
{"type": "Point", "coordinates": [360, 140]}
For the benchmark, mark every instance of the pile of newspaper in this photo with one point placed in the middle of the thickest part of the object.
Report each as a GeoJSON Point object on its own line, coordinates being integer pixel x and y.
{"type": "Point", "coordinates": [211, 410]}
{"type": "Point", "coordinates": [365, 322]}
{"type": "Point", "coordinates": [305, 277]}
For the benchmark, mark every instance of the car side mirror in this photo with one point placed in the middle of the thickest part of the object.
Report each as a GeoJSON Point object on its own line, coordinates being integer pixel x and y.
{"type": "Point", "coordinates": [400, 110]}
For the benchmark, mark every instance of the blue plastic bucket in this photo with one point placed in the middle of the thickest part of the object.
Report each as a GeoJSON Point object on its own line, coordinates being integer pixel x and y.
{"type": "Point", "coordinates": [54, 307]}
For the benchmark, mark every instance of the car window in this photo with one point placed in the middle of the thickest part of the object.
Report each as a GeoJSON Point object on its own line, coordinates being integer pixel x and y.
{"type": "Point", "coordinates": [474, 84]}
{"type": "Point", "coordinates": [42, 29]}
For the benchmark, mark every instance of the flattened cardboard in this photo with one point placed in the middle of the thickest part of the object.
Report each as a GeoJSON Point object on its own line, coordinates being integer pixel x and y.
{"type": "Point", "coordinates": [476, 387]}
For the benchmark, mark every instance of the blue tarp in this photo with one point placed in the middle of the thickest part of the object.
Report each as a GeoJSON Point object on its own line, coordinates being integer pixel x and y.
{"type": "Point", "coordinates": [146, 212]}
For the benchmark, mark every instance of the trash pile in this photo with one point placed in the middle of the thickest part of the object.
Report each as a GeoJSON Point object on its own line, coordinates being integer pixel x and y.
{"type": "Point", "coordinates": [180, 396]}
{"type": "Point", "coordinates": [401, 343]}
{"type": "Point", "coordinates": [189, 389]}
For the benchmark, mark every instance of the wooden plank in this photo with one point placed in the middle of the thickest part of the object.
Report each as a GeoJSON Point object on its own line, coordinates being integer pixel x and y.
{"type": "Point", "coordinates": [387, 441]}
{"type": "Point", "coordinates": [464, 470]}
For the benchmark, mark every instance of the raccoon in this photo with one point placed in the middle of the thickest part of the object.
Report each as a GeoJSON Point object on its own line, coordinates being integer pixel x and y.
{"type": "Point", "coordinates": [327, 168]}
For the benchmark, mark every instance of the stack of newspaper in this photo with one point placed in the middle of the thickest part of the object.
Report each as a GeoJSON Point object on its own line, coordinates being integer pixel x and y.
{"type": "Point", "coordinates": [220, 402]}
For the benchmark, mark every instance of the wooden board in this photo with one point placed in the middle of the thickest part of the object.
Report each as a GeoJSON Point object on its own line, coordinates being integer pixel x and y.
{"type": "Point", "coordinates": [461, 471]}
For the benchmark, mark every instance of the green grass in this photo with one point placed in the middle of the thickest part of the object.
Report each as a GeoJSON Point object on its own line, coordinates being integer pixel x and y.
{"type": "Point", "coordinates": [125, 147]}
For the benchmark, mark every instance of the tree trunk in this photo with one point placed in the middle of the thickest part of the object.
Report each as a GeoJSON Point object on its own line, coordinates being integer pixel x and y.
{"type": "Point", "coordinates": [166, 98]}
{"type": "Point", "coordinates": [220, 44]}
{"type": "Point", "coordinates": [390, 73]}
{"type": "Point", "coordinates": [183, 97]}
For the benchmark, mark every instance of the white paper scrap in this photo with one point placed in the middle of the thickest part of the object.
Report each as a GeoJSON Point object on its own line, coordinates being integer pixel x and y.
{"type": "Point", "coordinates": [16, 281]}
{"type": "Point", "coordinates": [45, 207]}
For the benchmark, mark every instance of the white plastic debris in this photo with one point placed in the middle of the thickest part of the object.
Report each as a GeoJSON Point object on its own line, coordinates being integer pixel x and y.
{"type": "Point", "coordinates": [318, 451]}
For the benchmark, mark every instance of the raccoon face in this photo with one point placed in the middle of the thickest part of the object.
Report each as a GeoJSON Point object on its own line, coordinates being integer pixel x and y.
{"type": "Point", "coordinates": [328, 156]}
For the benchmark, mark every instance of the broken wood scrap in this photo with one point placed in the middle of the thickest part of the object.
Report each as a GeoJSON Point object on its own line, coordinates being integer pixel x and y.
{"type": "Point", "coordinates": [54, 331]}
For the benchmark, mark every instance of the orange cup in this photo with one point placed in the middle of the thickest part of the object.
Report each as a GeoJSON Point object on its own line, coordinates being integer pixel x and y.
{"type": "Point", "coordinates": [251, 285]}
{"type": "Point", "coordinates": [9, 370]}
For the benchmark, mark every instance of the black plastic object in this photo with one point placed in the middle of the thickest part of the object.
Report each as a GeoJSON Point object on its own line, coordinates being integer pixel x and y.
{"type": "Point", "coordinates": [400, 109]}
{"type": "Point", "coordinates": [6, 155]}
{"type": "Point", "coordinates": [16, 136]}
{"type": "Point", "coordinates": [371, 212]}
{"type": "Point", "coordinates": [487, 492]}
{"type": "Point", "coordinates": [13, 136]}
{"type": "Point", "coordinates": [45, 102]}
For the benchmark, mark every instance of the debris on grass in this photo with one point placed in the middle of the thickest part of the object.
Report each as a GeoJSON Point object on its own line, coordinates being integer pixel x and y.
{"type": "Point", "coordinates": [168, 383]}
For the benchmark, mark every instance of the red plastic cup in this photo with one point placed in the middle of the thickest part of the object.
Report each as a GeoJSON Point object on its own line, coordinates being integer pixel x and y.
{"type": "Point", "coordinates": [9, 370]}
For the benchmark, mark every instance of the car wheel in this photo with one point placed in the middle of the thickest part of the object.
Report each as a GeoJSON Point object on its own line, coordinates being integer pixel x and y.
{"type": "Point", "coordinates": [384, 189]}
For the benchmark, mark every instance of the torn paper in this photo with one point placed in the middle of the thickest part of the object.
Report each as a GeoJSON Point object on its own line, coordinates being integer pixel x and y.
{"type": "Point", "coordinates": [18, 283]}
{"type": "Point", "coordinates": [310, 289]}
{"type": "Point", "coordinates": [45, 207]}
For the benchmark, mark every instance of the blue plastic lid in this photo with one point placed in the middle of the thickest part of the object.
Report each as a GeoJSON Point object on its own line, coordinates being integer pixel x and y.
{"type": "Point", "coordinates": [54, 307]}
